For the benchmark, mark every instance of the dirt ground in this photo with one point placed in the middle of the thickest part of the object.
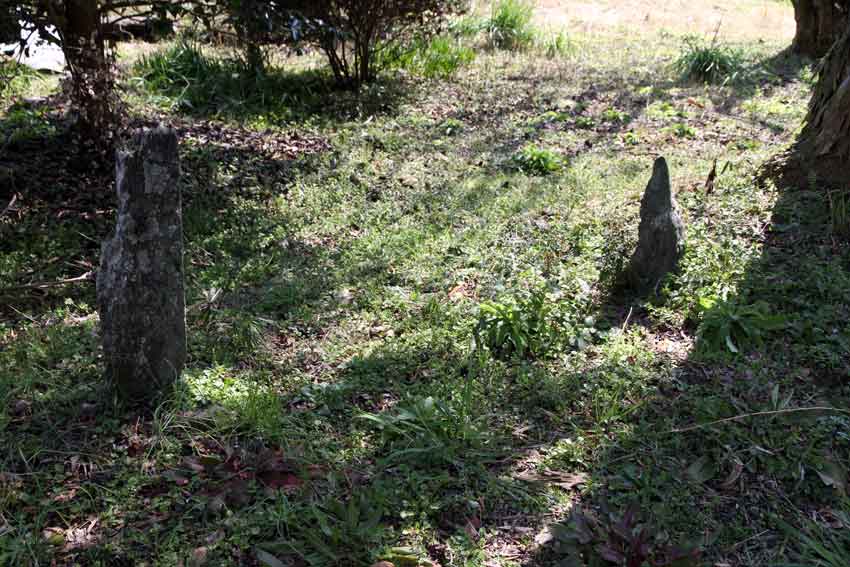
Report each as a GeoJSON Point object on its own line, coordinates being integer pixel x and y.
{"type": "Point", "coordinates": [743, 20]}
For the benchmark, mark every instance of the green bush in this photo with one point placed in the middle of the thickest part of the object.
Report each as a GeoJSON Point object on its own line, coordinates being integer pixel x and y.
{"type": "Point", "coordinates": [349, 32]}
{"type": "Point", "coordinates": [709, 63]}
{"type": "Point", "coordinates": [510, 25]}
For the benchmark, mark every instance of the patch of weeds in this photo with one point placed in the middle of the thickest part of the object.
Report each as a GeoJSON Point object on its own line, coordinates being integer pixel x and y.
{"type": "Point", "coordinates": [535, 160]}
{"type": "Point", "coordinates": [747, 144]}
{"type": "Point", "coordinates": [709, 62]}
{"type": "Point", "coordinates": [23, 123]}
{"type": "Point", "coordinates": [531, 324]}
{"type": "Point", "coordinates": [617, 116]}
{"type": "Point", "coordinates": [329, 532]}
{"type": "Point", "coordinates": [588, 538]}
{"type": "Point", "coordinates": [468, 26]}
{"type": "Point", "coordinates": [682, 130]}
{"type": "Point", "coordinates": [712, 266]}
{"type": "Point", "coordinates": [193, 81]}
{"type": "Point", "coordinates": [428, 432]}
{"type": "Point", "coordinates": [516, 327]}
{"type": "Point", "coordinates": [451, 126]}
{"type": "Point", "coordinates": [228, 335]}
{"type": "Point", "coordinates": [631, 139]}
{"type": "Point", "coordinates": [510, 27]}
{"type": "Point", "coordinates": [729, 326]}
{"type": "Point", "coordinates": [665, 110]}
{"type": "Point", "coordinates": [15, 79]}
{"type": "Point", "coordinates": [440, 57]}
{"type": "Point", "coordinates": [818, 544]}
{"type": "Point", "coordinates": [556, 45]}
{"type": "Point", "coordinates": [585, 122]}
{"type": "Point", "coordinates": [551, 116]}
{"type": "Point", "coordinates": [765, 107]}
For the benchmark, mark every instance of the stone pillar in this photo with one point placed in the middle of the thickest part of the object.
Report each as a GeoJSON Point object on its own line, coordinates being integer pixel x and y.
{"type": "Point", "coordinates": [661, 235]}
{"type": "Point", "coordinates": [140, 283]}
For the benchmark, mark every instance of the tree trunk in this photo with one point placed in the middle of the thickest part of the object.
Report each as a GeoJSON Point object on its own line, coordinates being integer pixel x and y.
{"type": "Point", "coordinates": [823, 147]}
{"type": "Point", "coordinates": [820, 23]}
{"type": "Point", "coordinates": [92, 86]}
{"type": "Point", "coordinates": [10, 31]}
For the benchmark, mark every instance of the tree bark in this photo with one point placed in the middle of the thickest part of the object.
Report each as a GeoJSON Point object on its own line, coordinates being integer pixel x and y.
{"type": "Point", "coordinates": [820, 23]}
{"type": "Point", "coordinates": [823, 147]}
{"type": "Point", "coordinates": [140, 290]}
{"type": "Point", "coordinates": [10, 31]}
{"type": "Point", "coordinates": [92, 85]}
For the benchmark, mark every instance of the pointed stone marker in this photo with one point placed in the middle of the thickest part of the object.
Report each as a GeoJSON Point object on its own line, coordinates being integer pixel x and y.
{"type": "Point", "coordinates": [140, 283]}
{"type": "Point", "coordinates": [661, 235]}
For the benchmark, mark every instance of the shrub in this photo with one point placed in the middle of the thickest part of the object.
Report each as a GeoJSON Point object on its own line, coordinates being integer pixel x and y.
{"type": "Point", "coordinates": [708, 63]}
{"type": "Point", "coordinates": [352, 32]}
{"type": "Point", "coordinates": [510, 25]}
{"type": "Point", "coordinates": [255, 26]}
{"type": "Point", "coordinates": [538, 161]}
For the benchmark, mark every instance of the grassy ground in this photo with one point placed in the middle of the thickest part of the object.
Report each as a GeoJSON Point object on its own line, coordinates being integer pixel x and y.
{"type": "Point", "coordinates": [335, 410]}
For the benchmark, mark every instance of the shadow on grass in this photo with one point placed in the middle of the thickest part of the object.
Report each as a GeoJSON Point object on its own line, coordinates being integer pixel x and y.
{"type": "Point", "coordinates": [763, 76]}
{"type": "Point", "coordinates": [697, 476]}
{"type": "Point", "coordinates": [196, 84]}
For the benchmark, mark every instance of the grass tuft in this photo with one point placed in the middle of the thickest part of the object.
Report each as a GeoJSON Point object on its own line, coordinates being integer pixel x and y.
{"type": "Point", "coordinates": [438, 58]}
{"type": "Point", "coordinates": [192, 81]}
{"type": "Point", "coordinates": [711, 63]}
{"type": "Point", "coordinates": [510, 26]}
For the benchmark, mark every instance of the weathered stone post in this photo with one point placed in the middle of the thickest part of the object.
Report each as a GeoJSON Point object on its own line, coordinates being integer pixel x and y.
{"type": "Point", "coordinates": [661, 234]}
{"type": "Point", "coordinates": [140, 283]}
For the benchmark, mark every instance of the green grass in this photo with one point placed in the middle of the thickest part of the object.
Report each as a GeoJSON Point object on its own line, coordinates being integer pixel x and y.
{"type": "Point", "coordinates": [340, 263]}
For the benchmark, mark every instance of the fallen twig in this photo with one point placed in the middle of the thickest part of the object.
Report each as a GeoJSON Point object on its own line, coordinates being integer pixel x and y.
{"type": "Point", "coordinates": [757, 414]}
{"type": "Point", "coordinates": [88, 276]}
